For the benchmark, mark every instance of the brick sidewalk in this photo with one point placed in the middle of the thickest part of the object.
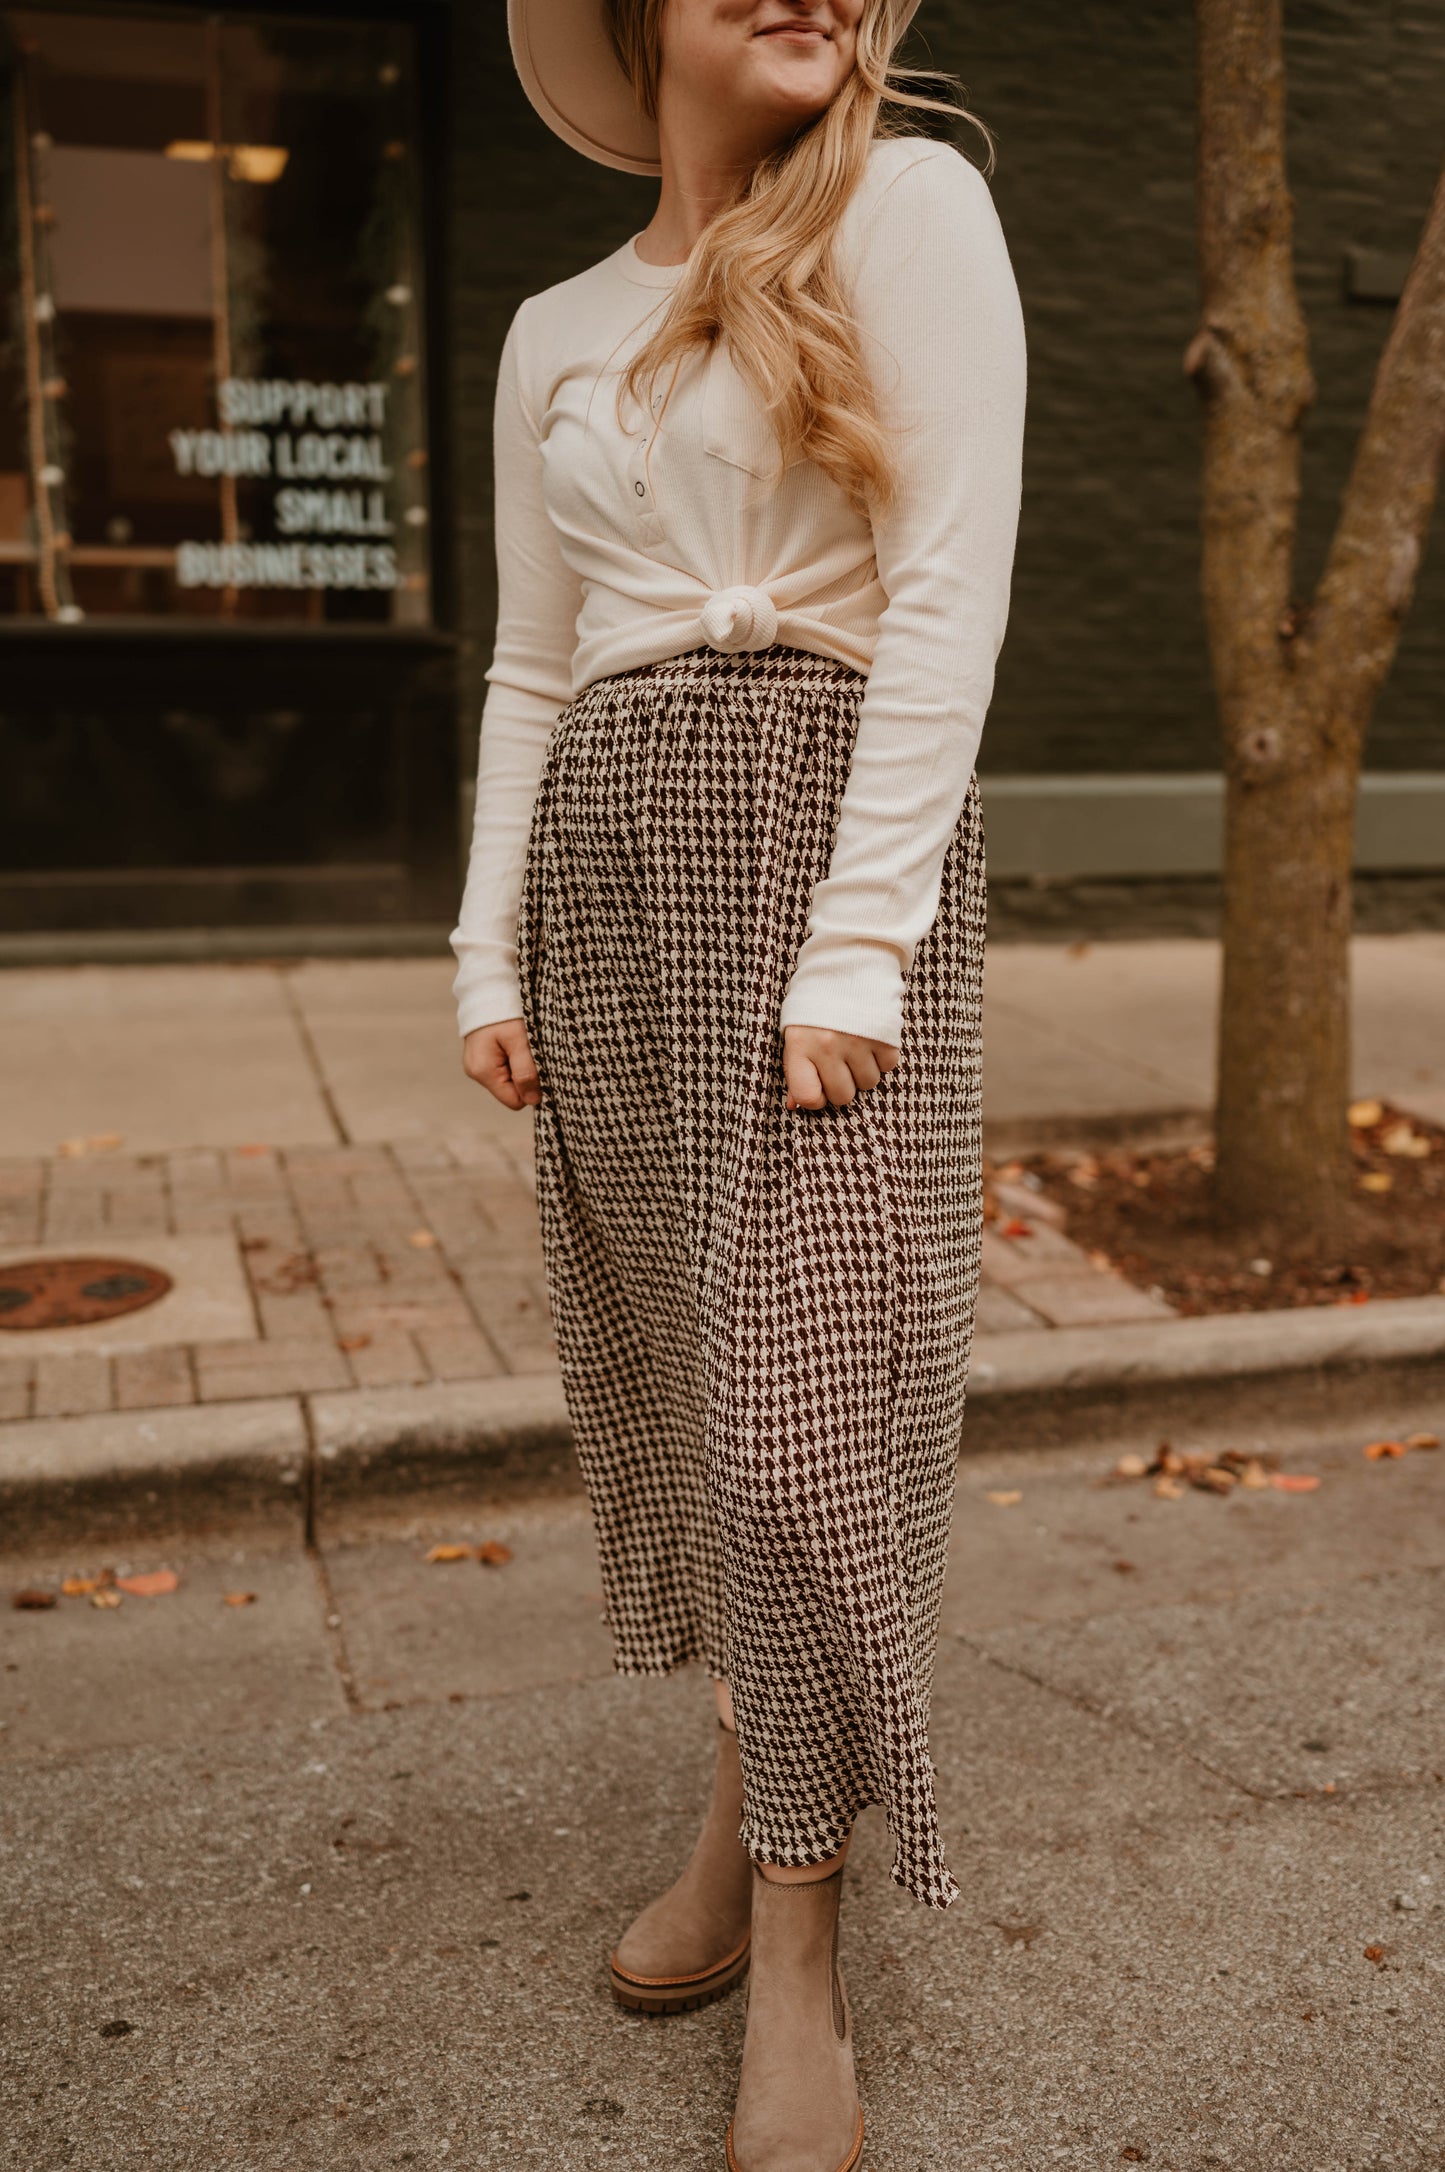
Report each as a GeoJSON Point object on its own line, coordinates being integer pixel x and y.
{"type": "Point", "coordinates": [385, 1266]}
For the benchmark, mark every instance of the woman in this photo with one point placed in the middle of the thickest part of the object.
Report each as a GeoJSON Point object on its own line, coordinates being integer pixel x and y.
{"type": "Point", "coordinates": [757, 494]}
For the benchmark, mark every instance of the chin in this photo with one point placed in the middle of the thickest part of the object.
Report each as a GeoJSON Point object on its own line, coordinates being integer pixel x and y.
{"type": "Point", "coordinates": [791, 99]}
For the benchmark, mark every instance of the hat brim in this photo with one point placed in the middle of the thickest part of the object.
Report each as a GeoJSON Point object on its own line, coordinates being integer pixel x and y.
{"type": "Point", "coordinates": [568, 68]}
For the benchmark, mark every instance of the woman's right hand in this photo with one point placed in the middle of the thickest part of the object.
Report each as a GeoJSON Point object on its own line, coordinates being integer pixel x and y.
{"type": "Point", "coordinates": [500, 1058]}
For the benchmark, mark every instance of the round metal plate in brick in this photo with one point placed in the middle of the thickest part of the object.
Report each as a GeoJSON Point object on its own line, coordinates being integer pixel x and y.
{"type": "Point", "coordinates": [38, 1293]}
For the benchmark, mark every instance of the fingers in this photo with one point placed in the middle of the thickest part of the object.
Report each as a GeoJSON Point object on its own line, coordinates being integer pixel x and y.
{"type": "Point", "coordinates": [523, 1069]}
{"type": "Point", "coordinates": [821, 1067]}
{"type": "Point", "coordinates": [805, 1088]}
{"type": "Point", "coordinates": [838, 1081]}
{"type": "Point", "coordinates": [500, 1058]}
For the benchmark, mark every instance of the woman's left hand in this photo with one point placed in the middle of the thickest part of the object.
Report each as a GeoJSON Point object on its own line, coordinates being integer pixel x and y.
{"type": "Point", "coordinates": [820, 1066]}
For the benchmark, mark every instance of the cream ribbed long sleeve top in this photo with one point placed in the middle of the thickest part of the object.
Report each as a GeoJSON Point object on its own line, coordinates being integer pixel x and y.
{"type": "Point", "coordinates": [621, 541]}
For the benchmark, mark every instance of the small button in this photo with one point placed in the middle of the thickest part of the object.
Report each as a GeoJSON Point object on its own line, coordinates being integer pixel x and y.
{"type": "Point", "coordinates": [641, 489]}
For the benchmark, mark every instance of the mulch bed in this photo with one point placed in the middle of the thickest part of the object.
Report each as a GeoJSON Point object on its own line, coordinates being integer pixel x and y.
{"type": "Point", "coordinates": [1150, 1215]}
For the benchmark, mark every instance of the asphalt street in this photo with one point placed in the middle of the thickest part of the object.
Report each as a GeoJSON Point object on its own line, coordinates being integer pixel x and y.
{"type": "Point", "coordinates": [326, 1879]}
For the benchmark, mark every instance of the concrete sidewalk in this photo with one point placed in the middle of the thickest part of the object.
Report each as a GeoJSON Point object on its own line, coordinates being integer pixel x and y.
{"type": "Point", "coordinates": [363, 1052]}
{"type": "Point", "coordinates": [350, 1227]}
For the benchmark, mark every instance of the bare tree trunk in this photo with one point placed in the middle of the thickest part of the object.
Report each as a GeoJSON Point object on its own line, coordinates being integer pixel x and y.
{"type": "Point", "coordinates": [1295, 685]}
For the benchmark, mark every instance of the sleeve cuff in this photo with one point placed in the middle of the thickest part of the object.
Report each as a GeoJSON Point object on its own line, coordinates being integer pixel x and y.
{"type": "Point", "coordinates": [486, 999]}
{"type": "Point", "coordinates": [858, 990]}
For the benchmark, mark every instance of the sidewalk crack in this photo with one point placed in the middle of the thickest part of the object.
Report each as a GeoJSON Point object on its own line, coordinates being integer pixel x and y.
{"type": "Point", "coordinates": [313, 1058]}
{"type": "Point", "coordinates": [1097, 1708]}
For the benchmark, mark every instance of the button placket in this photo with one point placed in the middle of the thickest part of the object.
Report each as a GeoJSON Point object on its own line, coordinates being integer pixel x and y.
{"type": "Point", "coordinates": [639, 480]}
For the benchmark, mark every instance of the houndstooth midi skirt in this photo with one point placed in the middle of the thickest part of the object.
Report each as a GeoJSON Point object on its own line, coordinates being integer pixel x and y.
{"type": "Point", "coordinates": [763, 1318]}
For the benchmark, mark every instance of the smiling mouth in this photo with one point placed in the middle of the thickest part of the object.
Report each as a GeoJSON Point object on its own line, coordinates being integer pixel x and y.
{"type": "Point", "coordinates": [793, 30]}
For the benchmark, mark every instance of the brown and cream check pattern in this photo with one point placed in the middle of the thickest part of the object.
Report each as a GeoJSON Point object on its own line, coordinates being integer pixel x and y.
{"type": "Point", "coordinates": [764, 1318]}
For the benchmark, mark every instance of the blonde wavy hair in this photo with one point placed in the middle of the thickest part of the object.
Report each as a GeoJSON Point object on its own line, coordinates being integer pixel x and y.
{"type": "Point", "coordinates": [762, 274]}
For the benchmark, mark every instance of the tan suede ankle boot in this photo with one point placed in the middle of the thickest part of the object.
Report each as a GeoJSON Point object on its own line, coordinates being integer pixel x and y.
{"type": "Point", "coordinates": [691, 1945]}
{"type": "Point", "coordinates": [797, 2108]}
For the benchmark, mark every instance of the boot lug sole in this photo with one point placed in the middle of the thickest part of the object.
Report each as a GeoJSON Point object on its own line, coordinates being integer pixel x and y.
{"type": "Point", "coordinates": [682, 1996]}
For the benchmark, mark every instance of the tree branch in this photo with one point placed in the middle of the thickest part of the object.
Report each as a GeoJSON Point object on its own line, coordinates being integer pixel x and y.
{"type": "Point", "coordinates": [1369, 577]}
{"type": "Point", "coordinates": [1250, 357]}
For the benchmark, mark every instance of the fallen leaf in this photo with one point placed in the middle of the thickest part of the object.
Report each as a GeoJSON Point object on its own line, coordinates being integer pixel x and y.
{"type": "Point", "coordinates": [153, 1585]}
{"type": "Point", "coordinates": [422, 1239]}
{"type": "Point", "coordinates": [1403, 1139]}
{"type": "Point", "coordinates": [353, 1342]}
{"type": "Point", "coordinates": [105, 1598]}
{"type": "Point", "coordinates": [1364, 1113]}
{"type": "Point", "coordinates": [1101, 1261]}
{"type": "Point", "coordinates": [251, 1150]}
{"type": "Point", "coordinates": [493, 1553]}
{"type": "Point", "coordinates": [238, 1598]}
{"type": "Point", "coordinates": [1215, 1480]}
{"type": "Point", "coordinates": [1016, 1228]}
{"type": "Point", "coordinates": [1019, 1934]}
{"type": "Point", "coordinates": [1422, 1440]}
{"type": "Point", "coordinates": [1130, 1466]}
{"type": "Point", "coordinates": [1004, 1500]}
{"type": "Point", "coordinates": [1294, 1481]}
{"type": "Point", "coordinates": [1167, 1488]}
{"type": "Point", "coordinates": [33, 1601]}
{"type": "Point", "coordinates": [1354, 1297]}
{"type": "Point", "coordinates": [1377, 1450]}
{"type": "Point", "coordinates": [1124, 1568]}
{"type": "Point", "coordinates": [104, 1142]}
{"type": "Point", "coordinates": [450, 1553]}
{"type": "Point", "coordinates": [1377, 1954]}
{"type": "Point", "coordinates": [1254, 1475]}
{"type": "Point", "coordinates": [80, 1587]}
{"type": "Point", "coordinates": [1377, 1180]}
{"type": "Point", "coordinates": [70, 1149]}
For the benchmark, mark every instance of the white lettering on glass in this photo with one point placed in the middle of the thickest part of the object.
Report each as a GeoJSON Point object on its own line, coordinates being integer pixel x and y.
{"type": "Point", "coordinates": [221, 452]}
{"type": "Point", "coordinates": [264, 435]}
{"type": "Point", "coordinates": [332, 512]}
{"type": "Point", "coordinates": [286, 565]}
{"type": "Point", "coordinates": [269, 400]}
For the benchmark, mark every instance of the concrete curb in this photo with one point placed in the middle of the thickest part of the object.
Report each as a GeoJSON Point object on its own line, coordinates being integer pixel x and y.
{"type": "Point", "coordinates": [1065, 1360]}
{"type": "Point", "coordinates": [128, 1470]}
{"type": "Point", "coordinates": [300, 1456]}
{"type": "Point", "coordinates": [404, 1439]}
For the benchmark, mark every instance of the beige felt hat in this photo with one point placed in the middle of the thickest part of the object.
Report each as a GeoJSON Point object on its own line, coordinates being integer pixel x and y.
{"type": "Point", "coordinates": [569, 70]}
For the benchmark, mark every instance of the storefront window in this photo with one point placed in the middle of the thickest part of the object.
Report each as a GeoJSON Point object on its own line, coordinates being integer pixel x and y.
{"type": "Point", "coordinates": [212, 382]}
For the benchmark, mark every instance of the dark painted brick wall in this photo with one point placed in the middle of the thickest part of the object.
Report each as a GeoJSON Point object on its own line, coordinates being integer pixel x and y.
{"type": "Point", "coordinates": [1105, 666]}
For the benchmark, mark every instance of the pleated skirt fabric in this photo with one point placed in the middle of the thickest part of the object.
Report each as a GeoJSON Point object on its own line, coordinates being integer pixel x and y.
{"type": "Point", "coordinates": [764, 1317]}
